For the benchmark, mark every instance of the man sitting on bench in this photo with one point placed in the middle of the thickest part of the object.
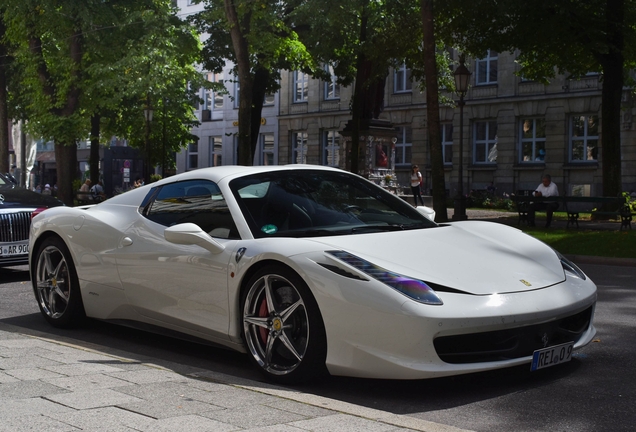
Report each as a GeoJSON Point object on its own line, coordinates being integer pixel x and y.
{"type": "Point", "coordinates": [545, 189]}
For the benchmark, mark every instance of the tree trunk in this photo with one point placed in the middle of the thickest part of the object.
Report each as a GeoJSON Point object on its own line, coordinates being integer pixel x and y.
{"type": "Point", "coordinates": [147, 165]}
{"type": "Point", "coordinates": [93, 160]}
{"type": "Point", "coordinates": [611, 129]}
{"type": "Point", "coordinates": [613, 64]}
{"type": "Point", "coordinates": [66, 160]}
{"type": "Point", "coordinates": [356, 163]}
{"type": "Point", "coordinates": [432, 114]}
{"type": "Point", "coordinates": [261, 76]}
{"type": "Point", "coordinates": [65, 155]}
{"type": "Point", "coordinates": [4, 115]}
{"type": "Point", "coordinates": [246, 84]}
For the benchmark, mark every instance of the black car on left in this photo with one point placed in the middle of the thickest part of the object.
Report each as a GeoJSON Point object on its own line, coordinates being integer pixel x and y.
{"type": "Point", "coordinates": [17, 206]}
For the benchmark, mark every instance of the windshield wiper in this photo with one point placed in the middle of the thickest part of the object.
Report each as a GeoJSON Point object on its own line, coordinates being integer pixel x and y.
{"type": "Point", "coordinates": [377, 228]}
{"type": "Point", "coordinates": [392, 227]}
{"type": "Point", "coordinates": [297, 233]}
{"type": "Point", "coordinates": [319, 232]}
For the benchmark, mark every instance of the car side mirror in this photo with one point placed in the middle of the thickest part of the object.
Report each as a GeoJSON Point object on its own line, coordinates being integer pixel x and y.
{"type": "Point", "coordinates": [428, 212]}
{"type": "Point", "coordinates": [192, 234]}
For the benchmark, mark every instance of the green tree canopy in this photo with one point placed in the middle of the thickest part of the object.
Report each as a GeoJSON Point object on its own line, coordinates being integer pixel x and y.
{"type": "Point", "coordinates": [75, 60]}
{"type": "Point", "coordinates": [257, 38]}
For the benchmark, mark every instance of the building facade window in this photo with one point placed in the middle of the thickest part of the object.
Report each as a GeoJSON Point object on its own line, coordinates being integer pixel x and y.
{"type": "Point", "coordinates": [404, 146]}
{"type": "Point", "coordinates": [486, 69]}
{"type": "Point", "coordinates": [301, 86]}
{"type": "Point", "coordinates": [267, 149]}
{"type": "Point", "coordinates": [402, 80]}
{"type": "Point", "coordinates": [193, 156]}
{"type": "Point", "coordinates": [485, 142]}
{"type": "Point", "coordinates": [216, 151]}
{"type": "Point", "coordinates": [299, 148]}
{"type": "Point", "coordinates": [213, 99]}
{"type": "Point", "coordinates": [332, 88]}
{"type": "Point", "coordinates": [447, 143]}
{"type": "Point", "coordinates": [532, 139]}
{"type": "Point", "coordinates": [584, 138]}
{"type": "Point", "coordinates": [330, 148]}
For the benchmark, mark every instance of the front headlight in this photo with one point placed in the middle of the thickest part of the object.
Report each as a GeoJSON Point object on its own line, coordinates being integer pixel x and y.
{"type": "Point", "coordinates": [570, 267]}
{"type": "Point", "coordinates": [412, 288]}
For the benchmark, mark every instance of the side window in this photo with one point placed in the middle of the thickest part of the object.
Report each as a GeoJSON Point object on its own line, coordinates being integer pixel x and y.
{"type": "Point", "coordinates": [195, 201]}
{"type": "Point", "coordinates": [584, 138]}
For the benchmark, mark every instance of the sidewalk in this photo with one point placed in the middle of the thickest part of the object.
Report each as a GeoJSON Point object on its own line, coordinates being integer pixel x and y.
{"type": "Point", "coordinates": [50, 385]}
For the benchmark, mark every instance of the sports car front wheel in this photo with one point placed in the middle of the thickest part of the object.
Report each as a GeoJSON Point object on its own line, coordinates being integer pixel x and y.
{"type": "Point", "coordinates": [56, 285]}
{"type": "Point", "coordinates": [282, 326]}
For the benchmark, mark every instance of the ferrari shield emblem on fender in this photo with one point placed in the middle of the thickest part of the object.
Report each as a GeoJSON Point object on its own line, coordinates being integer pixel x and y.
{"type": "Point", "coordinates": [525, 282]}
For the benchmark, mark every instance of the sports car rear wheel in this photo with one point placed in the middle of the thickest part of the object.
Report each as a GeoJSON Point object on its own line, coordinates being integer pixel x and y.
{"type": "Point", "coordinates": [282, 326]}
{"type": "Point", "coordinates": [56, 285]}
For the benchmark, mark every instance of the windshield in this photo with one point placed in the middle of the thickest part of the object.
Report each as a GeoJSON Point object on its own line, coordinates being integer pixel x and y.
{"type": "Point", "coordinates": [307, 203]}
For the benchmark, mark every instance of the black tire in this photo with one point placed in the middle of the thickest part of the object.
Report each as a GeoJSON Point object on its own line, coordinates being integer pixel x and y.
{"type": "Point", "coordinates": [56, 285]}
{"type": "Point", "coordinates": [282, 326]}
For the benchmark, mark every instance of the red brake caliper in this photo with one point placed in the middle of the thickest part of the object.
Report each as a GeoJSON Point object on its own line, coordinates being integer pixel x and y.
{"type": "Point", "coordinates": [263, 312]}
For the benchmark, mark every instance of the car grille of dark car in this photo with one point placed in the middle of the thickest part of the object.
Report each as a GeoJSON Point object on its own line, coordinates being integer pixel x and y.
{"type": "Point", "coordinates": [512, 343]}
{"type": "Point", "coordinates": [14, 227]}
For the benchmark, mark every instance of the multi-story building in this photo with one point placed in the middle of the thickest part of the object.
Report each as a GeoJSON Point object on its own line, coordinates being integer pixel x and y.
{"type": "Point", "coordinates": [514, 130]}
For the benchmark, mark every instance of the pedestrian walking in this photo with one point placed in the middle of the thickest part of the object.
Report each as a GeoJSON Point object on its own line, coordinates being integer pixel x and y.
{"type": "Point", "coordinates": [416, 184]}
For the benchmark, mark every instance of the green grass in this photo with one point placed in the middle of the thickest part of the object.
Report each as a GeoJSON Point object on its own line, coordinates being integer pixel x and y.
{"type": "Point", "coordinates": [602, 243]}
{"type": "Point", "coordinates": [615, 244]}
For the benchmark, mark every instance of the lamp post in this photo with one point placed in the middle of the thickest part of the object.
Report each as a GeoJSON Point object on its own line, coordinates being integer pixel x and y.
{"type": "Point", "coordinates": [148, 112]}
{"type": "Point", "coordinates": [163, 141]}
{"type": "Point", "coordinates": [462, 79]}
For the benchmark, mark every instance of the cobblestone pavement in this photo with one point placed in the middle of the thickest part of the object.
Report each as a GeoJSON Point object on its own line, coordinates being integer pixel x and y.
{"type": "Point", "coordinates": [48, 385]}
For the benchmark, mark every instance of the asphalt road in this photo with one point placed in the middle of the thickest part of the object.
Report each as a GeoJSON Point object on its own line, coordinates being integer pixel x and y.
{"type": "Point", "coordinates": [594, 392]}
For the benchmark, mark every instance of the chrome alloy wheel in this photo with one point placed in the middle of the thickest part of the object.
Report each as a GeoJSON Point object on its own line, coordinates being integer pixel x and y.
{"type": "Point", "coordinates": [53, 282]}
{"type": "Point", "coordinates": [276, 324]}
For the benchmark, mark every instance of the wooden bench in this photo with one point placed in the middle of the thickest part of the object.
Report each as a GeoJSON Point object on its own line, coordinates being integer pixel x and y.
{"type": "Point", "coordinates": [522, 204]}
{"type": "Point", "coordinates": [616, 207]}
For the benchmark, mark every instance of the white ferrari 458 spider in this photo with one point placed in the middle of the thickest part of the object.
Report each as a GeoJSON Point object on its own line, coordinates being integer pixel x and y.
{"type": "Point", "coordinates": [311, 269]}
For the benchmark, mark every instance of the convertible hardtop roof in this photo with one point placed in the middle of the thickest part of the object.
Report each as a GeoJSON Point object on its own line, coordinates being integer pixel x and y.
{"type": "Point", "coordinates": [217, 173]}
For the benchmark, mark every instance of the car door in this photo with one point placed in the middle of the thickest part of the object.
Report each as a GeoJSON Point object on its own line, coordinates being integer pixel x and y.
{"type": "Point", "coordinates": [183, 287]}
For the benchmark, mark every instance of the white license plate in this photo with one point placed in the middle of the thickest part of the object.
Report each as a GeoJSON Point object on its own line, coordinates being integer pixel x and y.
{"type": "Point", "coordinates": [13, 249]}
{"type": "Point", "coordinates": [552, 356]}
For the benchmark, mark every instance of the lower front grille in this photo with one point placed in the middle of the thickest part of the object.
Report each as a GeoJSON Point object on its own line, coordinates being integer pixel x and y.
{"type": "Point", "coordinates": [512, 343]}
{"type": "Point", "coordinates": [14, 227]}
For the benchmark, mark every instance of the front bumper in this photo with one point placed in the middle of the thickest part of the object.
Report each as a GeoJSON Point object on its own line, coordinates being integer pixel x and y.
{"type": "Point", "coordinates": [375, 332]}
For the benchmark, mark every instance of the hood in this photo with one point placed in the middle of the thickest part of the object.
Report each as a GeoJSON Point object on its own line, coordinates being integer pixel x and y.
{"type": "Point", "coordinates": [19, 198]}
{"type": "Point", "coordinates": [477, 257]}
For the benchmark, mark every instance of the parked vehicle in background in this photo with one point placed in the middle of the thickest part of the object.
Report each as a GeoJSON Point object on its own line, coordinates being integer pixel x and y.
{"type": "Point", "coordinates": [16, 208]}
